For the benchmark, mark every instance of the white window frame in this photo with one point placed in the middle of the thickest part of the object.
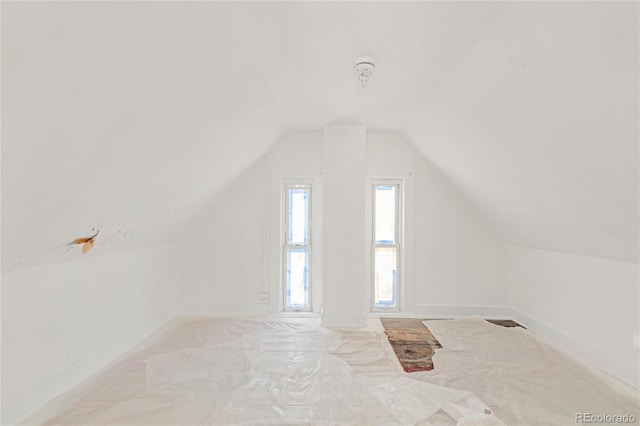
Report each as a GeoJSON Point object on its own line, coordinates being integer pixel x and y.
{"type": "Point", "coordinates": [285, 246]}
{"type": "Point", "coordinates": [399, 241]}
{"type": "Point", "coordinates": [274, 237]}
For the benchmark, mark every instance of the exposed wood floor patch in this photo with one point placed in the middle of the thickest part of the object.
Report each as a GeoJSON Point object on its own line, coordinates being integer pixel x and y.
{"type": "Point", "coordinates": [413, 343]}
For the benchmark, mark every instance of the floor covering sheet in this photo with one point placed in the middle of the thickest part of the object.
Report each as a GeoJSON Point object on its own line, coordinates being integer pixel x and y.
{"type": "Point", "coordinates": [292, 371]}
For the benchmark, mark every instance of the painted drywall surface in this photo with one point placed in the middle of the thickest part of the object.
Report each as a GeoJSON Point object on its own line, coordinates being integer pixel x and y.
{"type": "Point", "coordinates": [538, 125]}
{"type": "Point", "coordinates": [530, 108]}
{"type": "Point", "coordinates": [344, 233]}
{"type": "Point", "coordinates": [299, 149]}
{"type": "Point", "coordinates": [459, 259]}
{"type": "Point", "coordinates": [124, 130]}
{"type": "Point", "coordinates": [588, 305]}
{"type": "Point", "coordinates": [221, 269]}
{"type": "Point", "coordinates": [230, 253]}
{"type": "Point", "coordinates": [455, 261]}
{"type": "Point", "coordinates": [61, 322]}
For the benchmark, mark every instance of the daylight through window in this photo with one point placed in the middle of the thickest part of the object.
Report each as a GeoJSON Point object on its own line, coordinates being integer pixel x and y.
{"type": "Point", "coordinates": [386, 245]}
{"type": "Point", "coordinates": [297, 247]}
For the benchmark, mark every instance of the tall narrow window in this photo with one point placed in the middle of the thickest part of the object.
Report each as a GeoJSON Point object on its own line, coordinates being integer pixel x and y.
{"type": "Point", "coordinates": [386, 244]}
{"type": "Point", "coordinates": [297, 247]}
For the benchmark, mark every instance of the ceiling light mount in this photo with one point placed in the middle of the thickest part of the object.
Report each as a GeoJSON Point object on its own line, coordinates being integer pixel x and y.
{"type": "Point", "coordinates": [364, 69]}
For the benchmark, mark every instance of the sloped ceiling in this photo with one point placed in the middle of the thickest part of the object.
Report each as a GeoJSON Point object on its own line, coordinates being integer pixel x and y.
{"type": "Point", "coordinates": [128, 117]}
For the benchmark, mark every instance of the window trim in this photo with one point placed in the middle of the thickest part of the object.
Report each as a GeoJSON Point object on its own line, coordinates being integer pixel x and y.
{"type": "Point", "coordinates": [273, 236]}
{"type": "Point", "coordinates": [398, 244]}
{"type": "Point", "coordinates": [286, 185]}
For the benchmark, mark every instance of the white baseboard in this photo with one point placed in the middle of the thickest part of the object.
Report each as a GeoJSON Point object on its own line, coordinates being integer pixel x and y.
{"type": "Point", "coordinates": [49, 404]}
{"type": "Point", "coordinates": [454, 311]}
{"type": "Point", "coordinates": [593, 355]}
{"type": "Point", "coordinates": [339, 319]}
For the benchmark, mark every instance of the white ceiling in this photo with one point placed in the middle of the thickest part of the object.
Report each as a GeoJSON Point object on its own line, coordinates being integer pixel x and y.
{"type": "Point", "coordinates": [130, 116]}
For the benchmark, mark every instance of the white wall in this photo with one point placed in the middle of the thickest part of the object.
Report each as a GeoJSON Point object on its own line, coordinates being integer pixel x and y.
{"type": "Point", "coordinates": [221, 261]}
{"type": "Point", "coordinates": [223, 265]}
{"type": "Point", "coordinates": [458, 265]}
{"type": "Point", "coordinates": [63, 321]}
{"type": "Point", "coordinates": [455, 261]}
{"type": "Point", "coordinates": [588, 305]}
{"type": "Point", "coordinates": [344, 283]}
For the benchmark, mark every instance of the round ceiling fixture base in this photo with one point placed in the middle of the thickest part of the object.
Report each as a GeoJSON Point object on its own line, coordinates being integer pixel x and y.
{"type": "Point", "coordinates": [364, 69]}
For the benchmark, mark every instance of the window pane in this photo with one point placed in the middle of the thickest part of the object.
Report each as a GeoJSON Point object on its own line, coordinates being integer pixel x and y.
{"type": "Point", "coordinates": [385, 214]}
{"type": "Point", "coordinates": [298, 216]}
{"type": "Point", "coordinates": [385, 276]}
{"type": "Point", "coordinates": [297, 278]}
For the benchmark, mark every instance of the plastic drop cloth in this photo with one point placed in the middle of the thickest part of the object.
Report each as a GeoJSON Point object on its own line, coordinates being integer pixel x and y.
{"type": "Point", "coordinates": [263, 371]}
{"type": "Point", "coordinates": [524, 378]}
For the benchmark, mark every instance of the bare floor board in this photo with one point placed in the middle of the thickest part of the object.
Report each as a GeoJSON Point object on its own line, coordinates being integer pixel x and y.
{"type": "Point", "coordinates": [414, 344]}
